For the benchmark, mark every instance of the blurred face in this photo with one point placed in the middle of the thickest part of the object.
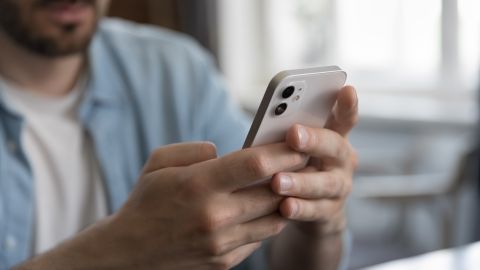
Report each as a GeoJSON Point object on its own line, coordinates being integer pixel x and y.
{"type": "Point", "coordinates": [51, 28]}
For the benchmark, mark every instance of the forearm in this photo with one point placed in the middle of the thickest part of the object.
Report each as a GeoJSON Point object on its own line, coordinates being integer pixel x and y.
{"type": "Point", "coordinates": [62, 257]}
{"type": "Point", "coordinates": [296, 249]}
{"type": "Point", "coordinates": [87, 250]}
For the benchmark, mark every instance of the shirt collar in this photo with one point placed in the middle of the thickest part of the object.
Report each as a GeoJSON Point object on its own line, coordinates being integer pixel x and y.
{"type": "Point", "coordinates": [106, 77]}
{"type": "Point", "coordinates": [106, 86]}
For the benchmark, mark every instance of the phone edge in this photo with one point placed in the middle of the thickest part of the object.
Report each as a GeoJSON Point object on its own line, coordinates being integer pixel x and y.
{"type": "Point", "coordinates": [276, 80]}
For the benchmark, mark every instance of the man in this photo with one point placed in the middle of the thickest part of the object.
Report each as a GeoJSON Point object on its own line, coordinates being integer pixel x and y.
{"type": "Point", "coordinates": [89, 113]}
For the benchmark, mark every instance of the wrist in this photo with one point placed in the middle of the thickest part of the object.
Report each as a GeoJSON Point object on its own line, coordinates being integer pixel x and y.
{"type": "Point", "coordinates": [323, 229]}
{"type": "Point", "coordinates": [310, 245]}
{"type": "Point", "coordinates": [84, 251]}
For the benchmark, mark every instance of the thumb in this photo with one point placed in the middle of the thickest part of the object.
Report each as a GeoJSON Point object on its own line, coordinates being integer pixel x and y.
{"type": "Point", "coordinates": [345, 113]}
{"type": "Point", "coordinates": [180, 154]}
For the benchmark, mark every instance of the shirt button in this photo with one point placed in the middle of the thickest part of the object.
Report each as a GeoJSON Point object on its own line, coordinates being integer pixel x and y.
{"type": "Point", "coordinates": [12, 146]}
{"type": "Point", "coordinates": [10, 243]}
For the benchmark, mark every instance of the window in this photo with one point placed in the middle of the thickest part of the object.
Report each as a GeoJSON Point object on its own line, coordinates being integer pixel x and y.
{"type": "Point", "coordinates": [385, 45]}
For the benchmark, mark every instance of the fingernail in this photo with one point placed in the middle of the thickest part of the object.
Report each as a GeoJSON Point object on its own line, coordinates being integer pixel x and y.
{"type": "Point", "coordinates": [302, 136]}
{"type": "Point", "coordinates": [285, 183]}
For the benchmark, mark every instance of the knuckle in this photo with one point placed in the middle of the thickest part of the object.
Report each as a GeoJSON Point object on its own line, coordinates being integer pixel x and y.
{"type": "Point", "coordinates": [149, 178]}
{"type": "Point", "coordinates": [154, 158]}
{"type": "Point", "coordinates": [192, 186]}
{"type": "Point", "coordinates": [158, 181]}
{"type": "Point", "coordinates": [258, 164]}
{"type": "Point", "coordinates": [242, 210]}
{"type": "Point", "coordinates": [207, 149]}
{"type": "Point", "coordinates": [212, 219]}
{"type": "Point", "coordinates": [208, 223]}
{"type": "Point", "coordinates": [331, 184]}
{"type": "Point", "coordinates": [215, 247]}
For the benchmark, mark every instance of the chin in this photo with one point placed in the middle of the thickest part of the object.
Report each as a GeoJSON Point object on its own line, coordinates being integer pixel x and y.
{"type": "Point", "coordinates": [50, 29]}
{"type": "Point", "coordinates": [54, 39]}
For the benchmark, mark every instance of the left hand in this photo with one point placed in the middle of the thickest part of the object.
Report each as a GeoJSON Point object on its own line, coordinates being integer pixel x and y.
{"type": "Point", "coordinates": [316, 195]}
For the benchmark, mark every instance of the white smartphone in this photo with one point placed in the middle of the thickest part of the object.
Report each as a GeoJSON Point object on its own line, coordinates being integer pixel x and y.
{"type": "Point", "coordinates": [303, 96]}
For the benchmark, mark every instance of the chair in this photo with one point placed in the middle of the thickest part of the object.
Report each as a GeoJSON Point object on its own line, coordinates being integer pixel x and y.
{"type": "Point", "coordinates": [409, 190]}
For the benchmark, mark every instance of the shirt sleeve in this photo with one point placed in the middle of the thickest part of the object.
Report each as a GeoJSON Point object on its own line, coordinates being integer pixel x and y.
{"type": "Point", "coordinates": [218, 117]}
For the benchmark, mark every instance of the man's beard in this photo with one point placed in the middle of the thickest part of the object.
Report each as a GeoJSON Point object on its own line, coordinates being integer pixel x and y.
{"type": "Point", "coordinates": [23, 31]}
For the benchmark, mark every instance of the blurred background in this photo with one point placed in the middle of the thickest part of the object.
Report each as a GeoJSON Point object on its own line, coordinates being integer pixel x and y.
{"type": "Point", "coordinates": [415, 66]}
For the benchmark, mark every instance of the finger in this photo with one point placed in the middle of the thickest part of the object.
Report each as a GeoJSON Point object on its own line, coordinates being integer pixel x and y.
{"type": "Point", "coordinates": [345, 113]}
{"type": "Point", "coordinates": [309, 210]}
{"type": "Point", "coordinates": [181, 154]}
{"type": "Point", "coordinates": [262, 228]}
{"type": "Point", "coordinates": [224, 210]}
{"type": "Point", "coordinates": [234, 257]}
{"type": "Point", "coordinates": [247, 166]}
{"type": "Point", "coordinates": [250, 232]}
{"type": "Point", "coordinates": [253, 203]}
{"type": "Point", "coordinates": [319, 143]}
{"type": "Point", "coordinates": [312, 185]}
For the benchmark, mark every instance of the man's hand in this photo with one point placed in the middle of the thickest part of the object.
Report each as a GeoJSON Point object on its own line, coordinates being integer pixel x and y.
{"type": "Point", "coordinates": [316, 195]}
{"type": "Point", "coordinates": [189, 210]}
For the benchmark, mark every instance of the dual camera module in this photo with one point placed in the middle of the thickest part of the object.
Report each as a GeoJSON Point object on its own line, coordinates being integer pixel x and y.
{"type": "Point", "coordinates": [287, 92]}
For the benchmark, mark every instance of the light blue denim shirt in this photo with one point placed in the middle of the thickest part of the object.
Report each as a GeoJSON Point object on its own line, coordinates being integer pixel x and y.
{"type": "Point", "coordinates": [147, 87]}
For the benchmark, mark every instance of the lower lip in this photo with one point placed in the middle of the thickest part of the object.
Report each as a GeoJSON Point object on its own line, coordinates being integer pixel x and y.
{"type": "Point", "coordinates": [66, 13]}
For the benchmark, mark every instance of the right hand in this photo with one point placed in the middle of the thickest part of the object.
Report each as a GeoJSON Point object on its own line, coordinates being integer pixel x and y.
{"type": "Point", "coordinates": [190, 209]}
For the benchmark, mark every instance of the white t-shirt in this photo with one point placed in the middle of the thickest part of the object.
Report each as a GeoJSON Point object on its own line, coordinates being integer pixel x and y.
{"type": "Point", "coordinates": [69, 193]}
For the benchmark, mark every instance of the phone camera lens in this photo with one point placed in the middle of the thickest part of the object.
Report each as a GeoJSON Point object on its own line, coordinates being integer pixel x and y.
{"type": "Point", "coordinates": [288, 92]}
{"type": "Point", "coordinates": [281, 109]}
